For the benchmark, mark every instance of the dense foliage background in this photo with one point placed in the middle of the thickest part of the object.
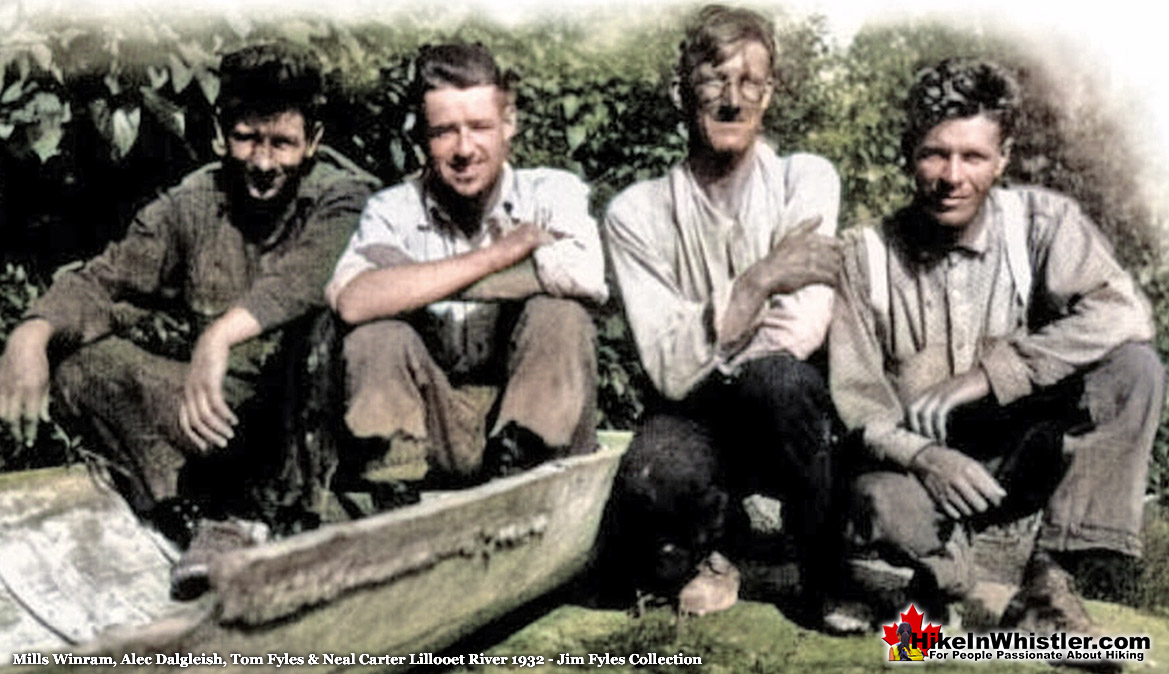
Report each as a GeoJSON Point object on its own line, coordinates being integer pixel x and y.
{"type": "Point", "coordinates": [97, 119]}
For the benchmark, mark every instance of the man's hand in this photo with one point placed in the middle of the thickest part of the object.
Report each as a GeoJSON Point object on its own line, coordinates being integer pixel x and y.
{"type": "Point", "coordinates": [204, 415]}
{"type": "Point", "coordinates": [802, 257]}
{"type": "Point", "coordinates": [958, 484]}
{"type": "Point", "coordinates": [928, 413]}
{"type": "Point", "coordinates": [519, 242]}
{"type": "Point", "coordinates": [24, 380]}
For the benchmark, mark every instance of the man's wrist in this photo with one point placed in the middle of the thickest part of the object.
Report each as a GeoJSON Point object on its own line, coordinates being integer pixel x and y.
{"type": "Point", "coordinates": [918, 461]}
{"type": "Point", "coordinates": [33, 333]}
{"type": "Point", "coordinates": [233, 327]}
{"type": "Point", "coordinates": [753, 286]}
{"type": "Point", "coordinates": [504, 254]}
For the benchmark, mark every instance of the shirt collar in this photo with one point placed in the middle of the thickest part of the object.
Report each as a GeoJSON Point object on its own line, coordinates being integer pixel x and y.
{"type": "Point", "coordinates": [920, 234]}
{"type": "Point", "coordinates": [717, 219]}
{"type": "Point", "coordinates": [983, 224]}
{"type": "Point", "coordinates": [503, 203]}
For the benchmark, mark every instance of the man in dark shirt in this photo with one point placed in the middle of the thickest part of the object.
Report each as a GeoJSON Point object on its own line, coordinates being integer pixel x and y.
{"type": "Point", "coordinates": [240, 248]}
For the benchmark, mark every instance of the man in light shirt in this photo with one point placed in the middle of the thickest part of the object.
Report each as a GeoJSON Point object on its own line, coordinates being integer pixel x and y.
{"type": "Point", "coordinates": [725, 266]}
{"type": "Point", "coordinates": [472, 273]}
{"type": "Point", "coordinates": [993, 357]}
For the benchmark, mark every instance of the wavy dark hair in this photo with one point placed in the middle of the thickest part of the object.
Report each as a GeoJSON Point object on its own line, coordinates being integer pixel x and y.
{"type": "Point", "coordinates": [457, 65]}
{"type": "Point", "coordinates": [957, 88]}
{"type": "Point", "coordinates": [267, 79]}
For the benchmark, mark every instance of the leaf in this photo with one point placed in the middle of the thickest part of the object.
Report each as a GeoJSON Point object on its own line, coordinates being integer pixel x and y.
{"type": "Point", "coordinates": [42, 55]}
{"type": "Point", "coordinates": [12, 93]}
{"type": "Point", "coordinates": [240, 24]}
{"type": "Point", "coordinates": [570, 104]}
{"type": "Point", "coordinates": [48, 141]}
{"type": "Point", "coordinates": [158, 76]}
{"type": "Point", "coordinates": [112, 83]}
{"type": "Point", "coordinates": [209, 83]}
{"type": "Point", "coordinates": [575, 135]}
{"type": "Point", "coordinates": [167, 113]}
{"type": "Point", "coordinates": [194, 55]}
{"type": "Point", "coordinates": [398, 154]}
{"type": "Point", "coordinates": [297, 31]}
{"type": "Point", "coordinates": [180, 73]}
{"type": "Point", "coordinates": [125, 130]}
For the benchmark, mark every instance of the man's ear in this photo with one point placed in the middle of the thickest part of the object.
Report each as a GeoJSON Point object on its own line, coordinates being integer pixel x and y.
{"type": "Point", "coordinates": [510, 121]}
{"type": "Point", "coordinates": [1004, 157]}
{"type": "Point", "coordinates": [767, 91]}
{"type": "Point", "coordinates": [314, 138]}
{"type": "Point", "coordinates": [218, 142]}
{"type": "Point", "coordinates": [676, 93]}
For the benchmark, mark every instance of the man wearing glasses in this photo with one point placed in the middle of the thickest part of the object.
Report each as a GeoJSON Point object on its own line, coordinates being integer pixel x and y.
{"type": "Point", "coordinates": [725, 266]}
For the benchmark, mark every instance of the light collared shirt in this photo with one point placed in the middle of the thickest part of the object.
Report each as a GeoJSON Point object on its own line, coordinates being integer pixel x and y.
{"type": "Point", "coordinates": [676, 258]}
{"type": "Point", "coordinates": [953, 308]}
{"type": "Point", "coordinates": [406, 224]}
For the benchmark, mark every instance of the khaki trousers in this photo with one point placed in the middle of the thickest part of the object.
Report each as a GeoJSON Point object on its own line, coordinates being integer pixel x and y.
{"type": "Point", "coordinates": [394, 388]}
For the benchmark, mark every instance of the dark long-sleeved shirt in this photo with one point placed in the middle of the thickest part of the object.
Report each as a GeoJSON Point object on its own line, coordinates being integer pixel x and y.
{"type": "Point", "coordinates": [191, 251]}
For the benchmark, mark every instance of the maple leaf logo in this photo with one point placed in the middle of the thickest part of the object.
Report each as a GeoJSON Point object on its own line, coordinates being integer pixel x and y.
{"type": "Point", "coordinates": [914, 618]}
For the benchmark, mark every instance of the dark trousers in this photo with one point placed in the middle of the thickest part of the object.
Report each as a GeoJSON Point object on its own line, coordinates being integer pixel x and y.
{"type": "Point", "coordinates": [125, 403]}
{"type": "Point", "coordinates": [769, 429]}
{"type": "Point", "coordinates": [1079, 451]}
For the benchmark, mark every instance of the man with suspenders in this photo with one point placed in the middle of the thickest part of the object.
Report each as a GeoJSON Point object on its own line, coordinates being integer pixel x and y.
{"type": "Point", "coordinates": [991, 357]}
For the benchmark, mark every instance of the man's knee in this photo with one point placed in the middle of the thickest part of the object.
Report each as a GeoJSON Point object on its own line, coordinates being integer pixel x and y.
{"type": "Point", "coordinates": [1131, 373]}
{"type": "Point", "coordinates": [786, 380]}
{"type": "Point", "coordinates": [380, 341]}
{"type": "Point", "coordinates": [894, 509]}
{"type": "Point", "coordinates": [71, 379]}
{"type": "Point", "coordinates": [93, 370]}
{"type": "Point", "coordinates": [790, 399]}
{"type": "Point", "coordinates": [557, 318]}
{"type": "Point", "coordinates": [1126, 391]}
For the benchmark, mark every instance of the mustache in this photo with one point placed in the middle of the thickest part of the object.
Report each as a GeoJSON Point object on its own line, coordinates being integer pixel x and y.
{"type": "Point", "coordinates": [723, 111]}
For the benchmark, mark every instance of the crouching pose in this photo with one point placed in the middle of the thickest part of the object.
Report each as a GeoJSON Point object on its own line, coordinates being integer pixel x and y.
{"type": "Point", "coordinates": [725, 267]}
{"type": "Point", "coordinates": [241, 250]}
{"type": "Point", "coordinates": [471, 274]}
{"type": "Point", "coordinates": [994, 359]}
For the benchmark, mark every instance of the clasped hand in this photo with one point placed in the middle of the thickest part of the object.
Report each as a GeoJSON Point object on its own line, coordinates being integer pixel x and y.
{"type": "Point", "coordinates": [959, 485]}
{"type": "Point", "coordinates": [801, 258]}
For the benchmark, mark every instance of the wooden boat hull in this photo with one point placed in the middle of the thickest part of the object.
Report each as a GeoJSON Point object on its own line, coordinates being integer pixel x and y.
{"type": "Point", "coordinates": [408, 581]}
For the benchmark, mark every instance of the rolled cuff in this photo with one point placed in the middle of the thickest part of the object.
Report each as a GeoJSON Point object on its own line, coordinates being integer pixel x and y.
{"type": "Point", "coordinates": [887, 442]}
{"type": "Point", "coordinates": [342, 277]}
{"type": "Point", "coordinates": [564, 272]}
{"type": "Point", "coordinates": [1007, 373]}
{"type": "Point", "coordinates": [268, 311]}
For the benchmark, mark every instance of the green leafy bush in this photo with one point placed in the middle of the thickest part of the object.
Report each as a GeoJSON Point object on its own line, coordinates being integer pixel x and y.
{"type": "Point", "coordinates": [95, 120]}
